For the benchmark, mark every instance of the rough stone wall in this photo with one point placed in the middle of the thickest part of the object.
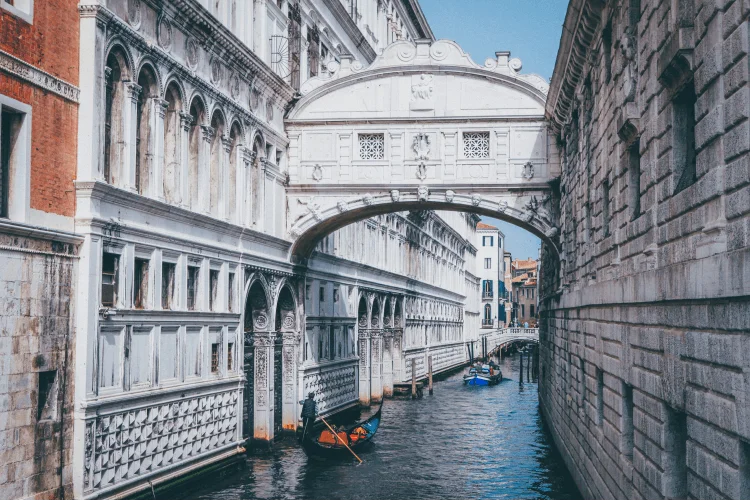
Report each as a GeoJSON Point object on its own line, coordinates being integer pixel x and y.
{"type": "Point", "coordinates": [36, 350]}
{"type": "Point", "coordinates": [644, 341]}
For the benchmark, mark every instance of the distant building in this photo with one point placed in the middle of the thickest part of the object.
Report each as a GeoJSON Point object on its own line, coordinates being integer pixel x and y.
{"type": "Point", "coordinates": [524, 297]}
{"type": "Point", "coordinates": [491, 272]}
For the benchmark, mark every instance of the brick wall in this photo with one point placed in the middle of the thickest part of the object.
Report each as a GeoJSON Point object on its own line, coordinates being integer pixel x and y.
{"type": "Point", "coordinates": [35, 340]}
{"type": "Point", "coordinates": [645, 379]}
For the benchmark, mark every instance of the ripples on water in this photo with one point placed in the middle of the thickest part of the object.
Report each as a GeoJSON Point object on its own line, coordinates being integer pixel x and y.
{"type": "Point", "coordinates": [461, 442]}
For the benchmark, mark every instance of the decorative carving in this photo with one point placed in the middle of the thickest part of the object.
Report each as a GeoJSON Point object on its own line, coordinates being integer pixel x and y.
{"type": "Point", "coordinates": [134, 13]}
{"type": "Point", "coordinates": [421, 171]}
{"type": "Point", "coordinates": [260, 321]}
{"type": "Point", "coordinates": [317, 172]}
{"type": "Point", "coordinates": [539, 210]}
{"type": "Point", "coordinates": [371, 146]}
{"type": "Point", "coordinates": [476, 199]}
{"type": "Point", "coordinates": [630, 70]}
{"type": "Point", "coordinates": [216, 71]}
{"type": "Point", "coordinates": [269, 110]}
{"type": "Point", "coordinates": [25, 71]}
{"type": "Point", "coordinates": [502, 206]}
{"type": "Point", "coordinates": [254, 100]}
{"type": "Point", "coordinates": [234, 86]}
{"type": "Point", "coordinates": [422, 193]}
{"type": "Point", "coordinates": [528, 170]}
{"type": "Point", "coordinates": [125, 445]}
{"type": "Point", "coordinates": [192, 52]}
{"type": "Point", "coordinates": [367, 199]}
{"type": "Point", "coordinates": [421, 146]}
{"type": "Point", "coordinates": [313, 207]}
{"type": "Point", "coordinates": [449, 194]}
{"type": "Point", "coordinates": [261, 368]}
{"type": "Point", "coordinates": [476, 145]}
{"type": "Point", "coordinates": [333, 387]}
{"type": "Point", "coordinates": [164, 35]}
{"type": "Point", "coordinates": [515, 64]}
{"type": "Point", "coordinates": [395, 195]}
{"type": "Point", "coordinates": [422, 91]}
{"type": "Point", "coordinates": [342, 206]}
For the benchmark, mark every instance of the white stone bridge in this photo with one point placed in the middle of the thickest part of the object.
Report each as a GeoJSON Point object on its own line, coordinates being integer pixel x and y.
{"type": "Point", "coordinates": [423, 127]}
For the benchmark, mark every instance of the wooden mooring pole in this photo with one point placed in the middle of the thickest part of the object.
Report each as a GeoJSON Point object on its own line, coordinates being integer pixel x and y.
{"type": "Point", "coordinates": [520, 380]}
{"type": "Point", "coordinates": [413, 378]}
{"type": "Point", "coordinates": [429, 373]}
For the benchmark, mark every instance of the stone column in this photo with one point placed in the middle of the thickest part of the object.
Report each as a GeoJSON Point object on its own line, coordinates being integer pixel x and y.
{"type": "Point", "coordinates": [376, 366]}
{"type": "Point", "coordinates": [224, 166]}
{"type": "Point", "coordinates": [289, 412]}
{"type": "Point", "coordinates": [398, 357]}
{"type": "Point", "coordinates": [129, 128]}
{"type": "Point", "coordinates": [388, 363]}
{"type": "Point", "coordinates": [186, 121]}
{"type": "Point", "coordinates": [263, 408]}
{"type": "Point", "coordinates": [364, 367]}
{"type": "Point", "coordinates": [245, 217]}
{"type": "Point", "coordinates": [204, 168]}
{"type": "Point", "coordinates": [159, 107]}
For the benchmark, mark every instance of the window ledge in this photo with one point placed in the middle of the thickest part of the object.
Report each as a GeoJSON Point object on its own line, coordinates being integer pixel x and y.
{"type": "Point", "coordinates": [21, 14]}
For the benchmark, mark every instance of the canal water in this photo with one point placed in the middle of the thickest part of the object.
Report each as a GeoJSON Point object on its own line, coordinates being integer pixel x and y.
{"type": "Point", "coordinates": [461, 442]}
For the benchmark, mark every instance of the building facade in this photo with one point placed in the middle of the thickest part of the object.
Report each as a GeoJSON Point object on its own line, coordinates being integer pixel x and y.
{"type": "Point", "coordinates": [524, 292]}
{"type": "Point", "coordinates": [38, 250]}
{"type": "Point", "coordinates": [643, 377]}
{"type": "Point", "coordinates": [490, 245]}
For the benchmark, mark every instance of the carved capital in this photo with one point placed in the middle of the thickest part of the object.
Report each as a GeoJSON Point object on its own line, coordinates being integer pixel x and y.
{"type": "Point", "coordinates": [186, 120]}
{"type": "Point", "coordinates": [227, 143]}
{"type": "Point", "coordinates": [133, 91]}
{"type": "Point", "coordinates": [161, 106]}
{"type": "Point", "coordinates": [675, 64]}
{"type": "Point", "coordinates": [208, 133]}
{"type": "Point", "coordinates": [248, 155]}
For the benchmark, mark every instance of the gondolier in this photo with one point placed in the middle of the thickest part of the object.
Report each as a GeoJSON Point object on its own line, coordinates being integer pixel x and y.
{"type": "Point", "coordinates": [309, 413]}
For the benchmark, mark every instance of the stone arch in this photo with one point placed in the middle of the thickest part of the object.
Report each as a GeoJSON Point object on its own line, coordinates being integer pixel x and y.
{"type": "Point", "coordinates": [150, 98]}
{"type": "Point", "coordinates": [235, 144]}
{"type": "Point", "coordinates": [119, 47]}
{"type": "Point", "coordinates": [398, 314]}
{"type": "Point", "coordinates": [375, 313]}
{"type": "Point", "coordinates": [218, 130]}
{"type": "Point", "coordinates": [388, 313]}
{"type": "Point", "coordinates": [118, 77]}
{"type": "Point", "coordinates": [254, 318]}
{"type": "Point", "coordinates": [197, 111]}
{"type": "Point", "coordinates": [363, 313]}
{"type": "Point", "coordinates": [173, 98]}
{"type": "Point", "coordinates": [286, 308]}
{"type": "Point", "coordinates": [173, 80]}
{"type": "Point", "coordinates": [256, 314]}
{"type": "Point", "coordinates": [147, 62]}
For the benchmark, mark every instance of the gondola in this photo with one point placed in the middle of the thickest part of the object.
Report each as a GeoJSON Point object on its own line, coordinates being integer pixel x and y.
{"type": "Point", "coordinates": [325, 444]}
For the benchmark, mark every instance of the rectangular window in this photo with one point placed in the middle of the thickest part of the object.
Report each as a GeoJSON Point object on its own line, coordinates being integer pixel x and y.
{"type": "Point", "coordinates": [605, 208]}
{"type": "Point", "coordinates": [46, 395]}
{"type": "Point", "coordinates": [322, 294]}
{"type": "Point", "coordinates": [331, 343]}
{"type": "Point", "coordinates": [476, 145]}
{"type": "Point", "coordinates": [140, 284]}
{"type": "Point", "coordinates": [110, 264]}
{"type": "Point", "coordinates": [167, 285]}
{"type": "Point", "coordinates": [627, 421]}
{"type": "Point", "coordinates": [487, 241]}
{"type": "Point", "coordinates": [192, 352]}
{"type": "Point", "coordinates": [607, 49]}
{"type": "Point", "coordinates": [371, 146]}
{"type": "Point", "coordinates": [230, 357]}
{"type": "Point", "coordinates": [168, 354]}
{"type": "Point", "coordinates": [531, 310]}
{"type": "Point", "coordinates": [487, 263]}
{"type": "Point", "coordinates": [140, 357]}
{"type": "Point", "coordinates": [192, 286]}
{"type": "Point", "coordinates": [683, 138]}
{"type": "Point", "coordinates": [599, 396]}
{"type": "Point", "coordinates": [523, 310]}
{"type": "Point", "coordinates": [230, 304]}
{"type": "Point", "coordinates": [23, 9]}
{"type": "Point", "coordinates": [675, 447]}
{"type": "Point", "coordinates": [634, 178]}
{"type": "Point", "coordinates": [9, 122]}
{"type": "Point", "coordinates": [213, 278]}
{"type": "Point", "coordinates": [744, 470]}
{"type": "Point", "coordinates": [214, 358]}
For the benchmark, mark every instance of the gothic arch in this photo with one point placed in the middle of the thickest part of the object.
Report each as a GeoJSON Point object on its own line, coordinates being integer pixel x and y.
{"type": "Point", "coordinates": [257, 302]}
{"type": "Point", "coordinates": [375, 313]}
{"type": "Point", "coordinates": [363, 312]}
{"type": "Point", "coordinates": [286, 288]}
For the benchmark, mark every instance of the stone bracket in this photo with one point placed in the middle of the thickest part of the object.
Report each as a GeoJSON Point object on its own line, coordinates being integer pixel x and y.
{"type": "Point", "coordinates": [628, 123]}
{"type": "Point", "coordinates": [675, 64]}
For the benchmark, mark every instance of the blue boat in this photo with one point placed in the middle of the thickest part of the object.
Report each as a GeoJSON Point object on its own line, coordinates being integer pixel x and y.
{"type": "Point", "coordinates": [483, 375]}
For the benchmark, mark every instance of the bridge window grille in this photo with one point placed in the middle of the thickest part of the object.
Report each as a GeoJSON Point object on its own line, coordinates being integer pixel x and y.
{"type": "Point", "coordinates": [371, 146]}
{"type": "Point", "coordinates": [476, 145]}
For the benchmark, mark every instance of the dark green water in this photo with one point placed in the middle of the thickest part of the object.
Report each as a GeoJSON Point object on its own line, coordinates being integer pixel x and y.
{"type": "Point", "coordinates": [462, 442]}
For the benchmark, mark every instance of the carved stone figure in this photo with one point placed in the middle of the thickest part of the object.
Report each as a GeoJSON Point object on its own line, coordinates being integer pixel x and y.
{"type": "Point", "coordinates": [476, 199]}
{"type": "Point", "coordinates": [342, 206]}
{"type": "Point", "coordinates": [422, 91]}
{"type": "Point", "coordinates": [630, 69]}
{"type": "Point", "coordinates": [367, 199]}
{"type": "Point", "coordinates": [449, 194]}
{"type": "Point", "coordinates": [422, 193]}
{"type": "Point", "coordinates": [317, 173]}
{"type": "Point", "coordinates": [395, 195]}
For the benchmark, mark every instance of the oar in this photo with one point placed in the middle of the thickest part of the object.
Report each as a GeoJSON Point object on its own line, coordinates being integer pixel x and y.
{"type": "Point", "coordinates": [339, 439]}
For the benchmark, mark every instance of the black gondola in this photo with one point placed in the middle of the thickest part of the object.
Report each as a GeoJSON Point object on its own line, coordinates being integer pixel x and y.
{"type": "Point", "coordinates": [325, 444]}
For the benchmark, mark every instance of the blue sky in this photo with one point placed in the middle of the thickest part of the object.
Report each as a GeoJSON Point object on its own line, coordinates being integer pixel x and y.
{"type": "Point", "coordinates": [529, 29]}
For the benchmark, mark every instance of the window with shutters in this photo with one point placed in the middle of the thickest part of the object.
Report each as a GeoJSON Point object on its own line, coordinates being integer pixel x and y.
{"type": "Point", "coordinates": [476, 145]}
{"type": "Point", "coordinates": [371, 146]}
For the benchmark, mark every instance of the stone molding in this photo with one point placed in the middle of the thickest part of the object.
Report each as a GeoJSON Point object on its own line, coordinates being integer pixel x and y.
{"type": "Point", "coordinates": [23, 70]}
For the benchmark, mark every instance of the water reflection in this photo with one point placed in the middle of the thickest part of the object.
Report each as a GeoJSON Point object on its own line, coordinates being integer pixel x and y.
{"type": "Point", "coordinates": [462, 442]}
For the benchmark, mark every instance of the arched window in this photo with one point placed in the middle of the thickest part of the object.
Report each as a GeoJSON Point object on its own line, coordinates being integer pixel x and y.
{"type": "Point", "coordinates": [116, 74]}
{"type": "Point", "coordinates": [217, 124]}
{"type": "Point", "coordinates": [198, 114]}
{"type": "Point", "coordinates": [235, 138]}
{"type": "Point", "coordinates": [255, 178]}
{"type": "Point", "coordinates": [172, 157]}
{"type": "Point", "coordinates": [144, 149]}
{"type": "Point", "coordinates": [487, 312]}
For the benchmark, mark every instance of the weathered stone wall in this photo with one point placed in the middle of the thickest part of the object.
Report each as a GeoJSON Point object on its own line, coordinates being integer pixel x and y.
{"type": "Point", "coordinates": [644, 372]}
{"type": "Point", "coordinates": [36, 373]}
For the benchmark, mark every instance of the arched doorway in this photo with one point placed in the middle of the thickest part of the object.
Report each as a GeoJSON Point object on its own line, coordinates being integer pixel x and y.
{"type": "Point", "coordinates": [363, 340]}
{"type": "Point", "coordinates": [376, 352]}
{"type": "Point", "coordinates": [255, 322]}
{"type": "Point", "coordinates": [284, 418]}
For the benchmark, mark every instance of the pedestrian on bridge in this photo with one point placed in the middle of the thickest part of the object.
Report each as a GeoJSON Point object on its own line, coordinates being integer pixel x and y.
{"type": "Point", "coordinates": [309, 413]}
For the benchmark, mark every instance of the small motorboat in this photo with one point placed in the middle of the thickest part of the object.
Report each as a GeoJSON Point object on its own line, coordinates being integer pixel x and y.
{"type": "Point", "coordinates": [327, 444]}
{"type": "Point", "coordinates": [483, 375]}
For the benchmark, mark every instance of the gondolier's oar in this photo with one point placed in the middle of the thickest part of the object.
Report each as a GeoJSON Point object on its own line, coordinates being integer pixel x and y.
{"type": "Point", "coordinates": [339, 439]}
